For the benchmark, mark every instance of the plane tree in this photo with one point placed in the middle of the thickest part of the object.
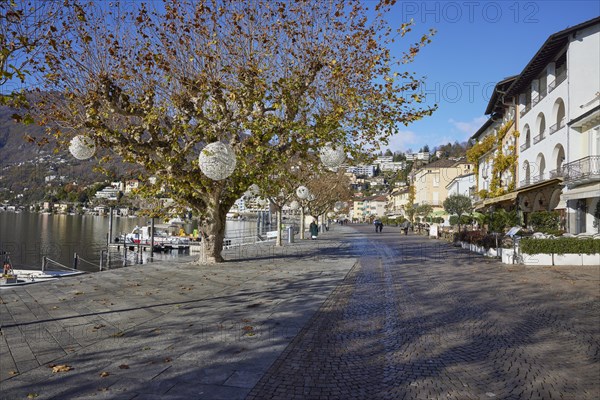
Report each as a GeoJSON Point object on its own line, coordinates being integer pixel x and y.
{"type": "Point", "coordinates": [155, 82]}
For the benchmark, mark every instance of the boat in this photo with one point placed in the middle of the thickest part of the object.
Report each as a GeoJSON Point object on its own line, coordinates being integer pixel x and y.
{"type": "Point", "coordinates": [165, 237]}
{"type": "Point", "coordinates": [19, 277]}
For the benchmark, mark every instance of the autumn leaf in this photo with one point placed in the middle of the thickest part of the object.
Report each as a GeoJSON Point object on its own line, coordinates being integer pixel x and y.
{"type": "Point", "coordinates": [123, 366]}
{"type": "Point", "coordinates": [61, 368]}
{"type": "Point", "coordinates": [104, 374]}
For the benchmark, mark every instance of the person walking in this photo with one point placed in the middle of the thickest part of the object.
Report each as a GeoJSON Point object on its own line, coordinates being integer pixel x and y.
{"type": "Point", "coordinates": [313, 229]}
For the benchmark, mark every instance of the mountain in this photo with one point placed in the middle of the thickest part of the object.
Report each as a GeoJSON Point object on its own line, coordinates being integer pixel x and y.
{"type": "Point", "coordinates": [30, 173]}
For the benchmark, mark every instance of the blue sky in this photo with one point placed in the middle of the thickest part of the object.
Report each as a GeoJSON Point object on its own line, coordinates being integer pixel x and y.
{"type": "Point", "coordinates": [477, 44]}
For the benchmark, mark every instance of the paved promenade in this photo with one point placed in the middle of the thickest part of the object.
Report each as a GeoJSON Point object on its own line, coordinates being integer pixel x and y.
{"type": "Point", "coordinates": [353, 315]}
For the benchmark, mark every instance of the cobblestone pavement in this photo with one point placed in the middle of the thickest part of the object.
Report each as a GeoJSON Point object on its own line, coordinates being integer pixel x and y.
{"type": "Point", "coordinates": [419, 319]}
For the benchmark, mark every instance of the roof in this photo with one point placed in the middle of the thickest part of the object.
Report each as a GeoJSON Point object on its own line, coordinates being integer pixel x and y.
{"type": "Point", "coordinates": [495, 104]}
{"type": "Point", "coordinates": [483, 128]}
{"type": "Point", "coordinates": [551, 47]}
{"type": "Point", "coordinates": [443, 163]}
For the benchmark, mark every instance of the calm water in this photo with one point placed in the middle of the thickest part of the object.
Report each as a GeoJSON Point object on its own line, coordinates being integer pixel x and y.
{"type": "Point", "coordinates": [28, 237]}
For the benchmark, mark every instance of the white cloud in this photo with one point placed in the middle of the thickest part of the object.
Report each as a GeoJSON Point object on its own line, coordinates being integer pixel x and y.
{"type": "Point", "coordinates": [468, 128]}
{"type": "Point", "coordinates": [401, 140]}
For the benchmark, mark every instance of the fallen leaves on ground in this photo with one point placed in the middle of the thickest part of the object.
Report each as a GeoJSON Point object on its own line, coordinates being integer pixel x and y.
{"type": "Point", "coordinates": [60, 368]}
{"type": "Point", "coordinates": [104, 374]}
{"type": "Point", "coordinates": [123, 366]}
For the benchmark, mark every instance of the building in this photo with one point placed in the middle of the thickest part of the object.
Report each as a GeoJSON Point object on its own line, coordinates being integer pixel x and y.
{"type": "Point", "coordinates": [554, 106]}
{"type": "Point", "coordinates": [397, 200]}
{"type": "Point", "coordinates": [368, 208]}
{"type": "Point", "coordinates": [462, 185]}
{"type": "Point", "coordinates": [362, 170]}
{"type": "Point", "coordinates": [431, 180]}
{"type": "Point", "coordinates": [421, 156]}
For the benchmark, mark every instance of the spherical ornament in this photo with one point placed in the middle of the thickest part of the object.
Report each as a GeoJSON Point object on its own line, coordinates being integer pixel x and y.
{"type": "Point", "coordinates": [331, 156]}
{"type": "Point", "coordinates": [294, 205]}
{"type": "Point", "coordinates": [311, 197]}
{"type": "Point", "coordinates": [253, 189]}
{"type": "Point", "coordinates": [338, 206]}
{"type": "Point", "coordinates": [82, 147]}
{"type": "Point", "coordinates": [330, 215]}
{"type": "Point", "coordinates": [217, 161]}
{"type": "Point", "coordinates": [302, 192]}
{"type": "Point", "coordinates": [262, 202]}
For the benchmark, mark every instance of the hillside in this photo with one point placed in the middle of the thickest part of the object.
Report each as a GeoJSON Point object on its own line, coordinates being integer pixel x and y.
{"type": "Point", "coordinates": [30, 173]}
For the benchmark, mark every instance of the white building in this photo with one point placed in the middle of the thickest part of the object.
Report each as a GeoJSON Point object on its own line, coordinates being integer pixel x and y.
{"type": "Point", "coordinates": [362, 170]}
{"type": "Point", "coordinates": [558, 99]}
{"type": "Point", "coordinates": [461, 185]}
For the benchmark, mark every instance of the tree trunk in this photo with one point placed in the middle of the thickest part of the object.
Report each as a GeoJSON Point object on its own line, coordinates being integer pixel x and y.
{"type": "Point", "coordinates": [278, 218]}
{"type": "Point", "coordinates": [215, 233]}
{"type": "Point", "coordinates": [301, 222]}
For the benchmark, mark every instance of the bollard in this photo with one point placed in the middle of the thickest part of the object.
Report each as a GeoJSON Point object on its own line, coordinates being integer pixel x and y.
{"type": "Point", "coordinates": [290, 230]}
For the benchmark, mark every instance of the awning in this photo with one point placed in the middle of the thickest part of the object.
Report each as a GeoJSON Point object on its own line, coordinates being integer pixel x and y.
{"type": "Point", "coordinates": [504, 197]}
{"type": "Point", "coordinates": [582, 192]}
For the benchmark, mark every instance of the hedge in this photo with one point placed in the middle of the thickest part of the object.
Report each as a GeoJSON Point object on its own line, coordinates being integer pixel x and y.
{"type": "Point", "coordinates": [560, 246]}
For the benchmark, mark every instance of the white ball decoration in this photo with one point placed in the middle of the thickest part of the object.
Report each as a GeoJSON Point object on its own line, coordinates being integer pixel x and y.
{"type": "Point", "coordinates": [294, 205]}
{"type": "Point", "coordinates": [254, 189]}
{"type": "Point", "coordinates": [311, 197]}
{"type": "Point", "coordinates": [217, 161]}
{"type": "Point", "coordinates": [302, 192]}
{"type": "Point", "coordinates": [82, 147]}
{"type": "Point", "coordinates": [332, 157]}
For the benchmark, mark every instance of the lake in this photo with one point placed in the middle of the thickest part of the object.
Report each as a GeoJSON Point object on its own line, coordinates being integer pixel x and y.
{"type": "Point", "coordinates": [28, 237]}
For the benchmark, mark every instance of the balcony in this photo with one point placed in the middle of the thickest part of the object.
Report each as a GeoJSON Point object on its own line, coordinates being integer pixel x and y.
{"type": "Point", "coordinates": [532, 180]}
{"type": "Point", "coordinates": [581, 171]}
{"type": "Point", "coordinates": [556, 82]}
{"type": "Point", "coordinates": [558, 126]}
{"type": "Point", "coordinates": [525, 110]}
{"type": "Point", "coordinates": [539, 138]}
{"type": "Point", "coordinates": [524, 146]}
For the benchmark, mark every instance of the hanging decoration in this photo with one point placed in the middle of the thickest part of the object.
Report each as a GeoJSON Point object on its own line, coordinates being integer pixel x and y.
{"type": "Point", "coordinates": [217, 161]}
{"type": "Point", "coordinates": [82, 147]}
{"type": "Point", "coordinates": [332, 157]}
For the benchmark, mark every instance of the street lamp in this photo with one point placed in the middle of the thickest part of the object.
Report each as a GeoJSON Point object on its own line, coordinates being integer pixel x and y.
{"type": "Point", "coordinates": [217, 161]}
{"type": "Point", "coordinates": [82, 147]}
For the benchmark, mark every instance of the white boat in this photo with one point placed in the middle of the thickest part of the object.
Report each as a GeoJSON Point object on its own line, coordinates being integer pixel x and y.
{"type": "Point", "coordinates": [164, 237]}
{"type": "Point", "coordinates": [20, 277]}
{"type": "Point", "coordinates": [12, 277]}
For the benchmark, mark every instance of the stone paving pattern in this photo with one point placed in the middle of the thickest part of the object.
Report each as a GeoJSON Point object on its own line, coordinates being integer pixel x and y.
{"type": "Point", "coordinates": [417, 319]}
{"type": "Point", "coordinates": [353, 315]}
{"type": "Point", "coordinates": [165, 331]}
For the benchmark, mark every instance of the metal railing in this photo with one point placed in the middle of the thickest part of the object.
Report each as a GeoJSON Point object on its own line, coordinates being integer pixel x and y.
{"type": "Point", "coordinates": [539, 138]}
{"type": "Point", "coordinates": [525, 110]}
{"type": "Point", "coordinates": [557, 81]}
{"type": "Point", "coordinates": [557, 126]}
{"type": "Point", "coordinates": [584, 169]}
{"type": "Point", "coordinates": [524, 146]}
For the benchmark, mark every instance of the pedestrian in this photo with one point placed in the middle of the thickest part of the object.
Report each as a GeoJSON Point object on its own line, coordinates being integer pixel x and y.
{"type": "Point", "coordinates": [313, 229]}
{"type": "Point", "coordinates": [405, 227]}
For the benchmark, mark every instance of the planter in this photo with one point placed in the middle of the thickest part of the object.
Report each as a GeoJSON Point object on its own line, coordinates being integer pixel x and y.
{"type": "Point", "coordinates": [507, 255]}
{"type": "Point", "coordinates": [492, 252]}
{"type": "Point", "coordinates": [590, 259]}
{"type": "Point", "coordinates": [536, 259]}
{"type": "Point", "coordinates": [567, 259]}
